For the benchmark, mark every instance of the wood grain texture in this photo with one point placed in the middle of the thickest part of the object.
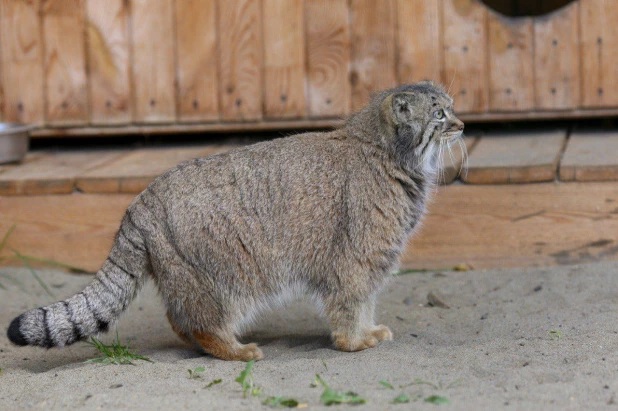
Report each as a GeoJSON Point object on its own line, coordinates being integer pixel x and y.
{"type": "Point", "coordinates": [328, 57]}
{"type": "Point", "coordinates": [517, 226]}
{"type": "Point", "coordinates": [419, 40]}
{"type": "Point", "coordinates": [284, 59]}
{"type": "Point", "coordinates": [132, 172]}
{"type": "Point", "coordinates": [65, 62]}
{"type": "Point", "coordinates": [22, 61]}
{"type": "Point", "coordinates": [591, 156]}
{"type": "Point", "coordinates": [50, 173]}
{"type": "Point", "coordinates": [599, 53]}
{"type": "Point", "coordinates": [465, 54]}
{"type": "Point", "coordinates": [511, 63]}
{"type": "Point", "coordinates": [500, 158]}
{"type": "Point", "coordinates": [108, 61]}
{"type": "Point", "coordinates": [196, 48]}
{"type": "Point", "coordinates": [373, 49]}
{"type": "Point", "coordinates": [76, 229]}
{"type": "Point", "coordinates": [1, 78]}
{"type": "Point", "coordinates": [154, 70]}
{"type": "Point", "coordinates": [240, 59]}
{"type": "Point", "coordinates": [556, 56]}
{"type": "Point", "coordinates": [513, 226]}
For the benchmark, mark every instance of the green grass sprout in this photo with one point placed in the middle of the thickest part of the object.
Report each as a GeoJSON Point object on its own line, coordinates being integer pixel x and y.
{"type": "Point", "coordinates": [555, 335]}
{"type": "Point", "coordinates": [330, 396]}
{"type": "Point", "coordinates": [214, 382]}
{"type": "Point", "coordinates": [437, 400]}
{"type": "Point", "coordinates": [281, 401]}
{"type": "Point", "coordinates": [35, 275]}
{"type": "Point", "coordinates": [245, 379]}
{"type": "Point", "coordinates": [114, 353]}
{"type": "Point", "coordinates": [194, 374]}
{"type": "Point", "coordinates": [401, 399]}
{"type": "Point", "coordinates": [324, 364]}
{"type": "Point", "coordinates": [387, 385]}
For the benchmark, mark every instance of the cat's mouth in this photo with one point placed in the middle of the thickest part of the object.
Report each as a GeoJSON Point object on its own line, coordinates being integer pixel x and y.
{"type": "Point", "coordinates": [452, 136]}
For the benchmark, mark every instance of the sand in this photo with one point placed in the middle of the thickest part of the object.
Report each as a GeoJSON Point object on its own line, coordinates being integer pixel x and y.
{"type": "Point", "coordinates": [491, 349]}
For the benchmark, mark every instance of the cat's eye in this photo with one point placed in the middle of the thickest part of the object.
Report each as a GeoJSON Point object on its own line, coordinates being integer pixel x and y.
{"type": "Point", "coordinates": [439, 114]}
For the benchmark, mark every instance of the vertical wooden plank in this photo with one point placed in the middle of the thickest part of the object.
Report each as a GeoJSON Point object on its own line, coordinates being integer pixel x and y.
{"type": "Point", "coordinates": [1, 78]}
{"type": "Point", "coordinates": [284, 59]}
{"type": "Point", "coordinates": [419, 40]}
{"type": "Point", "coordinates": [65, 62]}
{"type": "Point", "coordinates": [511, 62]}
{"type": "Point", "coordinates": [599, 53]}
{"type": "Point", "coordinates": [465, 54]}
{"type": "Point", "coordinates": [22, 61]}
{"type": "Point", "coordinates": [556, 56]}
{"type": "Point", "coordinates": [240, 59]}
{"type": "Point", "coordinates": [328, 57]}
{"type": "Point", "coordinates": [108, 61]}
{"type": "Point", "coordinates": [196, 48]}
{"type": "Point", "coordinates": [373, 48]}
{"type": "Point", "coordinates": [153, 60]}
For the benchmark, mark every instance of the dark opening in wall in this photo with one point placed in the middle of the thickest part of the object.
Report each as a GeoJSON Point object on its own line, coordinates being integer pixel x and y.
{"type": "Point", "coordinates": [515, 8]}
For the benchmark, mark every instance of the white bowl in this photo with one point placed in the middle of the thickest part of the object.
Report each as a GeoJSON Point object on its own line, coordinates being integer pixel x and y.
{"type": "Point", "coordinates": [14, 140]}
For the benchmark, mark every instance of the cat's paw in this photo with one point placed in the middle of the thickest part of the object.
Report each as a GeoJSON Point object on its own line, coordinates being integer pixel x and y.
{"type": "Point", "coordinates": [343, 343]}
{"type": "Point", "coordinates": [249, 352]}
{"type": "Point", "coordinates": [382, 333]}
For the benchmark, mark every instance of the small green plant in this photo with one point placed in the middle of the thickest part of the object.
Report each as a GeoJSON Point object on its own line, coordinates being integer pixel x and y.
{"type": "Point", "coordinates": [114, 353]}
{"type": "Point", "coordinates": [214, 382]}
{"type": "Point", "coordinates": [387, 385]}
{"type": "Point", "coordinates": [438, 386]}
{"type": "Point", "coordinates": [245, 379]}
{"type": "Point", "coordinates": [324, 364]}
{"type": "Point", "coordinates": [281, 401]}
{"type": "Point", "coordinates": [194, 374]}
{"type": "Point", "coordinates": [437, 400]}
{"type": "Point", "coordinates": [26, 259]}
{"type": "Point", "coordinates": [555, 335]}
{"type": "Point", "coordinates": [401, 399]}
{"type": "Point", "coordinates": [330, 396]}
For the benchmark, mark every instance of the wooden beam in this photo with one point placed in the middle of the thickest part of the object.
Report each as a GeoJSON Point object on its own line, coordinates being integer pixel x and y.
{"type": "Point", "coordinates": [22, 61]}
{"type": "Point", "coordinates": [196, 49]}
{"type": "Point", "coordinates": [515, 157]}
{"type": "Point", "coordinates": [132, 171]}
{"type": "Point", "coordinates": [591, 156]}
{"type": "Point", "coordinates": [484, 226]}
{"type": "Point", "coordinates": [50, 173]}
{"type": "Point", "coordinates": [111, 99]}
{"type": "Point", "coordinates": [328, 57]}
{"type": "Point", "coordinates": [556, 59]}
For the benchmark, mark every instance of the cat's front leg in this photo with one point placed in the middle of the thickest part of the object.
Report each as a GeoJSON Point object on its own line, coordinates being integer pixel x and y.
{"type": "Point", "coordinates": [369, 327]}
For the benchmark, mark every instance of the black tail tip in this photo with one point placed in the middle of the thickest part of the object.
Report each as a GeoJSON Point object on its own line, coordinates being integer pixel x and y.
{"type": "Point", "coordinates": [14, 332]}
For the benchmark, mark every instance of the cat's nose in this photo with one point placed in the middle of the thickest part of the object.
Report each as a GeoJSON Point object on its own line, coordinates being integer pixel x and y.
{"type": "Point", "coordinates": [460, 126]}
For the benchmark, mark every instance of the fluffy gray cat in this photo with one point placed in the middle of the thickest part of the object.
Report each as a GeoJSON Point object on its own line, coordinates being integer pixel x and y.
{"type": "Point", "coordinates": [226, 237]}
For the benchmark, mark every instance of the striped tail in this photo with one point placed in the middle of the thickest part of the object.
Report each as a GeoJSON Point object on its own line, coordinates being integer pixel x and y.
{"type": "Point", "coordinates": [98, 305]}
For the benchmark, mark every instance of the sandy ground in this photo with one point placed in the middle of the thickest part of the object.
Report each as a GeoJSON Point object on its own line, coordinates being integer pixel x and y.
{"type": "Point", "coordinates": [491, 349]}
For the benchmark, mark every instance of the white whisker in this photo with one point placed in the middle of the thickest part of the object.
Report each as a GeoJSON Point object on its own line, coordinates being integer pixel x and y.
{"type": "Point", "coordinates": [464, 157]}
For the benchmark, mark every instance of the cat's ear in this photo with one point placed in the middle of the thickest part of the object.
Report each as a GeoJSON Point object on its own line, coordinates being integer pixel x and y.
{"type": "Point", "coordinates": [401, 107]}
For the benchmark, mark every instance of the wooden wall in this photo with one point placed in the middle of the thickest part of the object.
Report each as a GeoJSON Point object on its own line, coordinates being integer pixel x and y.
{"type": "Point", "coordinates": [90, 67]}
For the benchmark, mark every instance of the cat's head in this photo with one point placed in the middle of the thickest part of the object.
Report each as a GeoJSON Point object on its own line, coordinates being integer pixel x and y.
{"type": "Point", "coordinates": [421, 122]}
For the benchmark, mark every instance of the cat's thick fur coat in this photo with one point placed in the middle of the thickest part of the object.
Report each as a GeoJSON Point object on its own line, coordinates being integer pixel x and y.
{"type": "Point", "coordinates": [227, 236]}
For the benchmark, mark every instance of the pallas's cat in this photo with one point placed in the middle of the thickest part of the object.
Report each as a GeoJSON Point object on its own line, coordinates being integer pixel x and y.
{"type": "Point", "coordinates": [228, 236]}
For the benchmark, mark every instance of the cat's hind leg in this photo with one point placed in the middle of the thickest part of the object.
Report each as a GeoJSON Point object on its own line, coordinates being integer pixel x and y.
{"type": "Point", "coordinates": [181, 334]}
{"type": "Point", "coordinates": [224, 345]}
